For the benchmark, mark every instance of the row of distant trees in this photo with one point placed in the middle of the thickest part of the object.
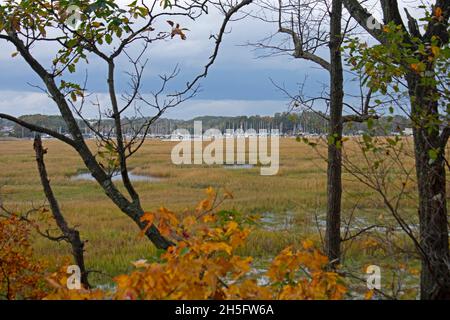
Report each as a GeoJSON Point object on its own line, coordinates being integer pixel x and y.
{"type": "Point", "coordinates": [290, 123]}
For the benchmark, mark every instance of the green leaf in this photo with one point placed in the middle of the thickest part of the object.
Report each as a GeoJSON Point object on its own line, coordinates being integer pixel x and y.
{"type": "Point", "coordinates": [370, 123]}
{"type": "Point", "coordinates": [71, 43]}
{"type": "Point", "coordinates": [433, 154]}
{"type": "Point", "coordinates": [331, 140]}
{"type": "Point", "coordinates": [71, 68]}
{"type": "Point", "coordinates": [392, 142]}
{"type": "Point", "coordinates": [108, 38]}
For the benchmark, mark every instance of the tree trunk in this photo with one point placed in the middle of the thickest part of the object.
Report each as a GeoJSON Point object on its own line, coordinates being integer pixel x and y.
{"type": "Point", "coordinates": [430, 171]}
{"type": "Point", "coordinates": [431, 181]}
{"type": "Point", "coordinates": [69, 234]}
{"type": "Point", "coordinates": [334, 170]}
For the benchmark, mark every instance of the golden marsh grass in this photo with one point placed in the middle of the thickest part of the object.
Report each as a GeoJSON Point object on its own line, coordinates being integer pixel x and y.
{"type": "Point", "coordinates": [299, 188]}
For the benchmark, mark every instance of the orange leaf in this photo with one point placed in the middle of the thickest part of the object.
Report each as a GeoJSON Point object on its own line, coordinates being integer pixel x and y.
{"type": "Point", "coordinates": [148, 217]}
{"type": "Point", "coordinates": [438, 12]}
{"type": "Point", "coordinates": [368, 295]}
{"type": "Point", "coordinates": [307, 244]}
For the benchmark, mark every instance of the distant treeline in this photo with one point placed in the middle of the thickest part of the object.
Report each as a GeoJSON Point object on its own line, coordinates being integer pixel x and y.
{"type": "Point", "coordinates": [287, 123]}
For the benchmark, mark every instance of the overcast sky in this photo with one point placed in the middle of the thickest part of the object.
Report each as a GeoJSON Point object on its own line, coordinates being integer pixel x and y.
{"type": "Point", "coordinates": [239, 83]}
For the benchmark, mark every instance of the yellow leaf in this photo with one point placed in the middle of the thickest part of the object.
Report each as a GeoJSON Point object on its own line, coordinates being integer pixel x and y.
{"type": "Point", "coordinates": [164, 227]}
{"type": "Point", "coordinates": [436, 50]}
{"type": "Point", "coordinates": [210, 192]}
{"type": "Point", "coordinates": [169, 216]}
{"type": "Point", "coordinates": [231, 227]}
{"type": "Point", "coordinates": [414, 271]}
{"type": "Point", "coordinates": [208, 218]}
{"type": "Point", "coordinates": [368, 295]}
{"type": "Point", "coordinates": [307, 244]}
{"type": "Point", "coordinates": [210, 247]}
{"type": "Point", "coordinates": [189, 221]}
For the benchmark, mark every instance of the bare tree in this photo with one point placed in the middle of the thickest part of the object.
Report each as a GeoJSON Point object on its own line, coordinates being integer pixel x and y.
{"type": "Point", "coordinates": [334, 181]}
{"type": "Point", "coordinates": [106, 32]}
{"type": "Point", "coordinates": [310, 26]}
{"type": "Point", "coordinates": [71, 235]}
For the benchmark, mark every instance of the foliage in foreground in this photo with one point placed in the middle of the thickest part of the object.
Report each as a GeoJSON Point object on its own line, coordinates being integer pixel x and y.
{"type": "Point", "coordinates": [20, 274]}
{"type": "Point", "coordinates": [204, 264]}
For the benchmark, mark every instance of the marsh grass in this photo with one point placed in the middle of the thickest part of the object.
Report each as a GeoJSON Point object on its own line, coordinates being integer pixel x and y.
{"type": "Point", "coordinates": [113, 242]}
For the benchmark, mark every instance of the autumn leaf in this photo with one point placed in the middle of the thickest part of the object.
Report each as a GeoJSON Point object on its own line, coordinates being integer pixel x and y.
{"type": "Point", "coordinates": [22, 276]}
{"type": "Point", "coordinates": [307, 244]}
{"type": "Point", "coordinates": [147, 217]}
{"type": "Point", "coordinates": [438, 12]}
{"type": "Point", "coordinates": [210, 192]}
{"type": "Point", "coordinates": [204, 265]}
{"type": "Point", "coordinates": [15, 24]}
{"type": "Point", "coordinates": [435, 50]}
{"type": "Point", "coordinates": [417, 67]}
{"type": "Point", "coordinates": [228, 194]}
{"type": "Point", "coordinates": [177, 31]}
{"type": "Point", "coordinates": [414, 271]}
{"type": "Point", "coordinates": [189, 221]}
{"type": "Point", "coordinates": [204, 205]}
{"type": "Point", "coordinates": [368, 295]}
{"type": "Point", "coordinates": [231, 227]}
{"type": "Point", "coordinates": [208, 218]}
